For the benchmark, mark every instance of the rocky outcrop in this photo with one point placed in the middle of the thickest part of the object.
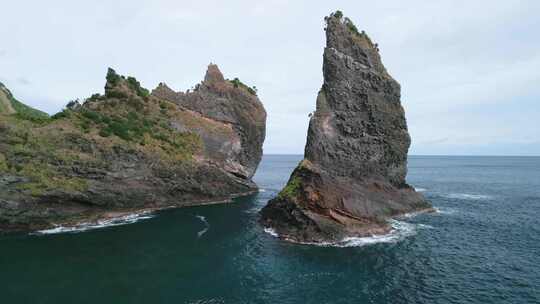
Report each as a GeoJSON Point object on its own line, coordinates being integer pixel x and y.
{"type": "Point", "coordinates": [352, 178]}
{"type": "Point", "coordinates": [129, 150]}
{"type": "Point", "coordinates": [232, 103]}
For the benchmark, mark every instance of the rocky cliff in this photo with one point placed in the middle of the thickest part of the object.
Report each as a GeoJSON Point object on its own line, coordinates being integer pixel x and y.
{"type": "Point", "coordinates": [352, 178]}
{"type": "Point", "coordinates": [230, 102]}
{"type": "Point", "coordinates": [128, 150]}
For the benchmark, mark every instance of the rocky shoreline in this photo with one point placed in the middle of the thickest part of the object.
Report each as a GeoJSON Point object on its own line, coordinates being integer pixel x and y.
{"type": "Point", "coordinates": [384, 234]}
{"type": "Point", "coordinates": [100, 218]}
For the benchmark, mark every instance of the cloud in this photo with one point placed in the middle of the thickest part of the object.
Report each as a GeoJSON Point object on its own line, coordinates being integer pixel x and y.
{"type": "Point", "coordinates": [469, 70]}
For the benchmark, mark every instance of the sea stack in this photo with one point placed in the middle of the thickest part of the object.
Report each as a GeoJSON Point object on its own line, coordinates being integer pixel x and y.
{"type": "Point", "coordinates": [352, 178]}
{"type": "Point", "coordinates": [128, 151]}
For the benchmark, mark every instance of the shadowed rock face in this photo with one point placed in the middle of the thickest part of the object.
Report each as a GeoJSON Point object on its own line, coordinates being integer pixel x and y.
{"type": "Point", "coordinates": [129, 150]}
{"type": "Point", "coordinates": [352, 177]}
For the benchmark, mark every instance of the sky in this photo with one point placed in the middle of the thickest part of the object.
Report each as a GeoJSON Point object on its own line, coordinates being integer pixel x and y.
{"type": "Point", "coordinates": [469, 70]}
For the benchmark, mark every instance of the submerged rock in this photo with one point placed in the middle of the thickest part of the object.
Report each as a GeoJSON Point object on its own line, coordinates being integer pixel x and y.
{"type": "Point", "coordinates": [352, 178]}
{"type": "Point", "coordinates": [129, 150]}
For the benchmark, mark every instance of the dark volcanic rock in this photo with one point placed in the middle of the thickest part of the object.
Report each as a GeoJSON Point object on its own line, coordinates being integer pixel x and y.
{"type": "Point", "coordinates": [352, 178]}
{"type": "Point", "coordinates": [129, 150]}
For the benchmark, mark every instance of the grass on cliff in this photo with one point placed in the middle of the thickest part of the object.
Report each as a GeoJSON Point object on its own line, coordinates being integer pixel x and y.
{"type": "Point", "coordinates": [47, 151]}
{"type": "Point", "coordinates": [292, 188]}
{"type": "Point", "coordinates": [3, 163]}
{"type": "Point", "coordinates": [45, 178]}
{"type": "Point", "coordinates": [348, 22]}
{"type": "Point", "coordinates": [239, 84]}
{"type": "Point", "coordinates": [23, 111]}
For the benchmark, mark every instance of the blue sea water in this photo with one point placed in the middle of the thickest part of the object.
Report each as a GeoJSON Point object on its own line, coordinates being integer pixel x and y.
{"type": "Point", "coordinates": [483, 246]}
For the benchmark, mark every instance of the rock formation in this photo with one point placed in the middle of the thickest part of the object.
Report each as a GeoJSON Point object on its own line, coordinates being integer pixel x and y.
{"type": "Point", "coordinates": [352, 178]}
{"type": "Point", "coordinates": [129, 150]}
{"type": "Point", "coordinates": [234, 104]}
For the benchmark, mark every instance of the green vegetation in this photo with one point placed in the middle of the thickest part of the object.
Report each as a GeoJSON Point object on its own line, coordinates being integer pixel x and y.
{"type": "Point", "coordinates": [94, 97]}
{"type": "Point", "coordinates": [351, 26]}
{"type": "Point", "coordinates": [112, 77]}
{"type": "Point", "coordinates": [49, 150]}
{"type": "Point", "coordinates": [62, 114]}
{"type": "Point", "coordinates": [239, 84]}
{"type": "Point", "coordinates": [29, 112]}
{"type": "Point", "coordinates": [43, 178]}
{"type": "Point", "coordinates": [130, 128]}
{"type": "Point", "coordinates": [291, 189]}
{"type": "Point", "coordinates": [136, 86]}
{"type": "Point", "coordinates": [22, 111]}
{"type": "Point", "coordinates": [3, 163]}
{"type": "Point", "coordinates": [338, 14]}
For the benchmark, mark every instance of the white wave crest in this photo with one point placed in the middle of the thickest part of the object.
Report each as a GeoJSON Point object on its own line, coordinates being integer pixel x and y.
{"type": "Point", "coordinates": [206, 224]}
{"type": "Point", "coordinates": [271, 231]}
{"type": "Point", "coordinates": [465, 196]}
{"type": "Point", "coordinates": [400, 230]}
{"type": "Point", "coordinates": [445, 211]}
{"type": "Point", "coordinates": [424, 226]}
{"type": "Point", "coordinates": [110, 222]}
{"type": "Point", "coordinates": [417, 189]}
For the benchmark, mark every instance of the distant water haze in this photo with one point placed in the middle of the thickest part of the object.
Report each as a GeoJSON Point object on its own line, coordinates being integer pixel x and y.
{"type": "Point", "coordinates": [469, 70]}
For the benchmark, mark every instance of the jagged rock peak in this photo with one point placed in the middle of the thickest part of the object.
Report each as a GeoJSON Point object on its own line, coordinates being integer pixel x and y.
{"type": "Point", "coordinates": [231, 102]}
{"type": "Point", "coordinates": [213, 74]}
{"type": "Point", "coordinates": [343, 36]}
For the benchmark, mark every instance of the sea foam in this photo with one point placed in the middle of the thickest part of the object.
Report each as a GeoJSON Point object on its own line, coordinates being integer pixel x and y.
{"type": "Point", "coordinates": [400, 230]}
{"type": "Point", "coordinates": [206, 224]}
{"type": "Point", "coordinates": [110, 222]}
{"type": "Point", "coordinates": [466, 196]}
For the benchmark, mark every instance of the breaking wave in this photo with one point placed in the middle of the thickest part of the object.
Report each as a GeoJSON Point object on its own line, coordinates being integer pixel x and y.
{"type": "Point", "coordinates": [206, 224]}
{"type": "Point", "coordinates": [417, 189]}
{"type": "Point", "coordinates": [271, 231]}
{"type": "Point", "coordinates": [110, 222]}
{"type": "Point", "coordinates": [465, 196]}
{"type": "Point", "coordinates": [400, 230]}
{"type": "Point", "coordinates": [444, 210]}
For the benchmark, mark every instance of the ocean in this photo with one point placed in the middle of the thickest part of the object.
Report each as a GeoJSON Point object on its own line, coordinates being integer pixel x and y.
{"type": "Point", "coordinates": [482, 246]}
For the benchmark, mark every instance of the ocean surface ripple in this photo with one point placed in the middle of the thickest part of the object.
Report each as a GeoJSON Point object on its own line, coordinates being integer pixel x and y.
{"type": "Point", "coordinates": [481, 246]}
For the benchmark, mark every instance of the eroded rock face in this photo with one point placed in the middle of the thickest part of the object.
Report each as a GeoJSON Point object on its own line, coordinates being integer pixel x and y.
{"type": "Point", "coordinates": [230, 103]}
{"type": "Point", "coordinates": [352, 178]}
{"type": "Point", "coordinates": [129, 150]}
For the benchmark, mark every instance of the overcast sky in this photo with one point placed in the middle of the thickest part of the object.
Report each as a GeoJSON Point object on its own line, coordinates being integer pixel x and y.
{"type": "Point", "coordinates": [469, 70]}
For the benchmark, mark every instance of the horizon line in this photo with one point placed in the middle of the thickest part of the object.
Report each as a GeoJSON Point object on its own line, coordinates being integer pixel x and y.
{"type": "Point", "coordinates": [446, 155]}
